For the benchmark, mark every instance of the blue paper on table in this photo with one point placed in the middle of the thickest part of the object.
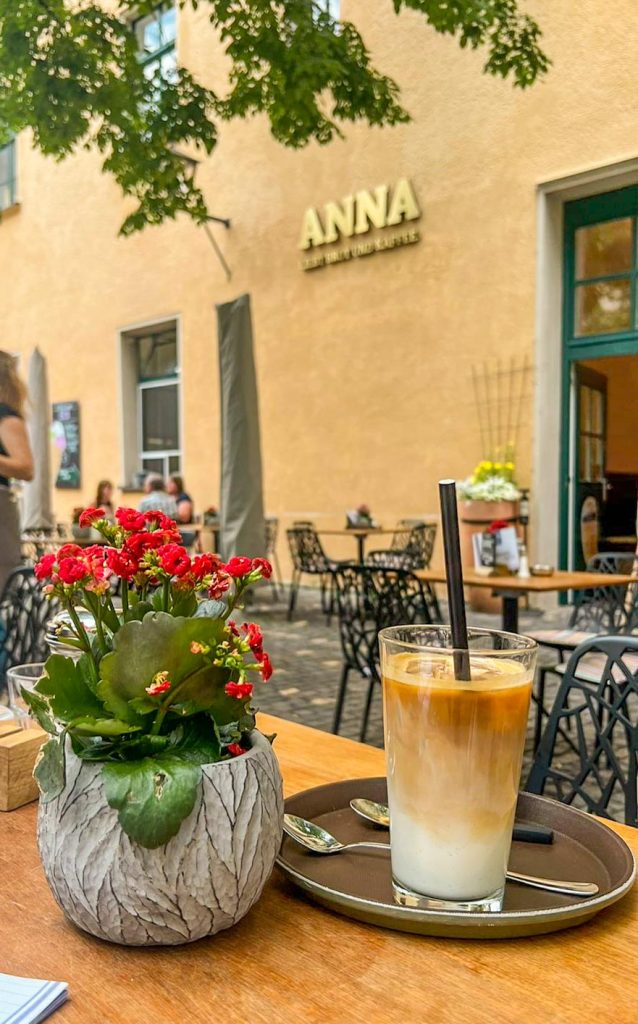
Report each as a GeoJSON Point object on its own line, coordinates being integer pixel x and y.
{"type": "Point", "coordinates": [28, 1001]}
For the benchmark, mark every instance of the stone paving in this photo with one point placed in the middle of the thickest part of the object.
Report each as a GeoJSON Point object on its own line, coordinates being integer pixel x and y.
{"type": "Point", "coordinates": [307, 657]}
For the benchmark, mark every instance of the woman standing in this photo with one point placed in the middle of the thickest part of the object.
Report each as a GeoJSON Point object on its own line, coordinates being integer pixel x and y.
{"type": "Point", "coordinates": [16, 461]}
{"type": "Point", "coordinates": [104, 498]}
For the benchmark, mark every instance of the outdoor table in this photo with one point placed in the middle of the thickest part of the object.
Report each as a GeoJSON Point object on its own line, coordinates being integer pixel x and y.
{"type": "Point", "coordinates": [360, 532]}
{"type": "Point", "coordinates": [511, 588]}
{"type": "Point", "coordinates": [290, 960]}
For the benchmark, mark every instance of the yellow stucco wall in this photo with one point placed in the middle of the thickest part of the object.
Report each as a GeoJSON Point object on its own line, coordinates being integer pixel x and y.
{"type": "Point", "coordinates": [364, 368]}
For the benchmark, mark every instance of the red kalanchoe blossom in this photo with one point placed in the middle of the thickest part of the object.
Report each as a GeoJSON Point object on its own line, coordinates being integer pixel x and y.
{"type": "Point", "coordinates": [122, 563]}
{"type": "Point", "coordinates": [72, 570]}
{"type": "Point", "coordinates": [160, 684]}
{"type": "Point", "coordinates": [238, 566]}
{"type": "Point", "coordinates": [233, 627]}
{"type": "Point", "coordinates": [156, 518]}
{"type": "Point", "coordinates": [498, 524]}
{"type": "Point", "coordinates": [239, 690]}
{"type": "Point", "coordinates": [266, 668]}
{"type": "Point", "coordinates": [205, 565]}
{"type": "Point", "coordinates": [263, 566]}
{"type": "Point", "coordinates": [234, 749]}
{"type": "Point", "coordinates": [254, 636]}
{"type": "Point", "coordinates": [130, 519]}
{"type": "Point", "coordinates": [219, 586]}
{"type": "Point", "coordinates": [138, 543]}
{"type": "Point", "coordinates": [174, 559]}
{"type": "Point", "coordinates": [91, 516]}
{"type": "Point", "coordinates": [44, 568]}
{"type": "Point", "coordinates": [69, 549]}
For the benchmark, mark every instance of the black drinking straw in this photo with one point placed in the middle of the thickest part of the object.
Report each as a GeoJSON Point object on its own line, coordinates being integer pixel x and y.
{"type": "Point", "coordinates": [454, 573]}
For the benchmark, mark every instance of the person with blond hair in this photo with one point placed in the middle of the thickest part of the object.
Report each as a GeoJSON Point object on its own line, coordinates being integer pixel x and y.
{"type": "Point", "coordinates": [16, 460]}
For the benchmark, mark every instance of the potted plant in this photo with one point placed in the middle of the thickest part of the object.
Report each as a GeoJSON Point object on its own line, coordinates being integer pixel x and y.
{"type": "Point", "coordinates": [490, 493]}
{"type": "Point", "coordinates": [359, 517]}
{"type": "Point", "coordinates": [161, 809]}
{"type": "Point", "coordinates": [210, 516]}
{"type": "Point", "coordinates": [79, 532]}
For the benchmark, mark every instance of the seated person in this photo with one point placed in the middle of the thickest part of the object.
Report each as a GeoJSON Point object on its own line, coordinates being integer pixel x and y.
{"type": "Point", "coordinates": [184, 502]}
{"type": "Point", "coordinates": [155, 497]}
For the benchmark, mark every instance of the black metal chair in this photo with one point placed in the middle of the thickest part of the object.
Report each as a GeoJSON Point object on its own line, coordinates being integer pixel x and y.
{"type": "Point", "coordinates": [368, 599]}
{"type": "Point", "coordinates": [411, 548]}
{"type": "Point", "coordinates": [598, 611]}
{"type": "Point", "coordinates": [271, 527]}
{"type": "Point", "coordinates": [308, 556]}
{"type": "Point", "coordinates": [589, 750]}
{"type": "Point", "coordinates": [24, 614]}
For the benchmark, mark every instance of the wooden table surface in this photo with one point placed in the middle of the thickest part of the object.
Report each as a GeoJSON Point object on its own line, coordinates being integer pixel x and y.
{"type": "Point", "coordinates": [289, 961]}
{"type": "Point", "coordinates": [559, 580]}
{"type": "Point", "coordinates": [353, 531]}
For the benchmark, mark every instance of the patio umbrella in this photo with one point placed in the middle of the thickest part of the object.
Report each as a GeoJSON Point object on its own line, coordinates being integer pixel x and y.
{"type": "Point", "coordinates": [242, 528]}
{"type": "Point", "coordinates": [36, 504]}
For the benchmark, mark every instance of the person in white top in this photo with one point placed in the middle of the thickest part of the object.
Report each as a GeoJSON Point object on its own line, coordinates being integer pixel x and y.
{"type": "Point", "coordinates": [155, 497]}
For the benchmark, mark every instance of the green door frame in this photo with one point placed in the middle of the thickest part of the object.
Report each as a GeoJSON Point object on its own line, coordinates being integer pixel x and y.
{"type": "Point", "coordinates": [580, 213]}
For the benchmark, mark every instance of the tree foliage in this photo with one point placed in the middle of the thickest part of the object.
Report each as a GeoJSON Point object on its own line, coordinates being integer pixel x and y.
{"type": "Point", "coordinates": [70, 72]}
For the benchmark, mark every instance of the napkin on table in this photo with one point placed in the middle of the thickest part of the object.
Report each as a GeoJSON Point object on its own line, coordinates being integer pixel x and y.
{"type": "Point", "coordinates": [27, 1000]}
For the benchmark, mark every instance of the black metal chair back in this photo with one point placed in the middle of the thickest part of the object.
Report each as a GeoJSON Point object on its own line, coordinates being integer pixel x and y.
{"type": "Point", "coordinates": [608, 609]}
{"type": "Point", "coordinates": [588, 754]}
{"type": "Point", "coordinates": [306, 550]}
{"type": "Point", "coordinates": [271, 529]}
{"type": "Point", "coordinates": [24, 614]}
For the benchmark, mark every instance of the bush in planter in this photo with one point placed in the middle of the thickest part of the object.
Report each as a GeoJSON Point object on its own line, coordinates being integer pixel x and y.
{"type": "Point", "coordinates": [153, 716]}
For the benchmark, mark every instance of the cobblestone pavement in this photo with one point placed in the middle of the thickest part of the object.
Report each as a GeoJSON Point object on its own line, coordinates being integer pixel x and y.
{"type": "Point", "coordinates": [307, 657]}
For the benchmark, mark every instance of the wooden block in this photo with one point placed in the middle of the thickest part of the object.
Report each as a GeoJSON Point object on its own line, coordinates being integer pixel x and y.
{"type": "Point", "coordinates": [19, 749]}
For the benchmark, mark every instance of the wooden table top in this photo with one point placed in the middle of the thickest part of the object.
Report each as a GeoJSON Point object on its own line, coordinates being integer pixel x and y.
{"type": "Point", "coordinates": [289, 960]}
{"type": "Point", "coordinates": [559, 580]}
{"type": "Point", "coordinates": [354, 531]}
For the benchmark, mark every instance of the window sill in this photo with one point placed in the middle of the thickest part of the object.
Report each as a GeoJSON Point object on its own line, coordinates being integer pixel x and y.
{"type": "Point", "coordinates": [10, 211]}
{"type": "Point", "coordinates": [131, 490]}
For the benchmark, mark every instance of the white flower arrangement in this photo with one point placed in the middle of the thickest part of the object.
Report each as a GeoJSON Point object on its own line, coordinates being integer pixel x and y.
{"type": "Point", "coordinates": [490, 481]}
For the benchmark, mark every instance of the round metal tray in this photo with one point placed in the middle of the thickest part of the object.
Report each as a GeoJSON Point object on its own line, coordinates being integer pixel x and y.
{"type": "Point", "coordinates": [358, 884]}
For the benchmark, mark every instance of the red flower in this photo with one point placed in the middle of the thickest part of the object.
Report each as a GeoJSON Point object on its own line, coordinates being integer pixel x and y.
{"type": "Point", "coordinates": [233, 627]}
{"type": "Point", "coordinates": [158, 519]}
{"type": "Point", "coordinates": [241, 691]}
{"type": "Point", "coordinates": [174, 559]}
{"type": "Point", "coordinates": [254, 636]}
{"type": "Point", "coordinates": [235, 750]}
{"type": "Point", "coordinates": [122, 563]}
{"type": "Point", "coordinates": [239, 566]}
{"type": "Point", "coordinates": [160, 684]}
{"type": "Point", "coordinates": [138, 543]}
{"type": "Point", "coordinates": [498, 524]}
{"type": "Point", "coordinates": [204, 565]}
{"type": "Point", "coordinates": [129, 519]}
{"type": "Point", "coordinates": [266, 665]}
{"type": "Point", "coordinates": [263, 566]}
{"type": "Point", "coordinates": [44, 568]}
{"type": "Point", "coordinates": [219, 586]}
{"type": "Point", "coordinates": [91, 516]}
{"type": "Point", "coordinates": [69, 549]}
{"type": "Point", "coordinates": [72, 570]}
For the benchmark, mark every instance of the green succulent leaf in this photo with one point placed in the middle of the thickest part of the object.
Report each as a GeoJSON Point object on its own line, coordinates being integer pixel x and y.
{"type": "Point", "coordinates": [69, 696]}
{"type": "Point", "coordinates": [152, 796]}
{"type": "Point", "coordinates": [102, 727]}
{"type": "Point", "coordinates": [199, 742]}
{"type": "Point", "coordinates": [39, 708]}
{"type": "Point", "coordinates": [49, 770]}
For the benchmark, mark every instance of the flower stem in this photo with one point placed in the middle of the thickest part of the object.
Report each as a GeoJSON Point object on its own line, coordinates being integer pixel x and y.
{"type": "Point", "coordinates": [79, 628]}
{"type": "Point", "coordinates": [125, 596]}
{"type": "Point", "coordinates": [166, 594]}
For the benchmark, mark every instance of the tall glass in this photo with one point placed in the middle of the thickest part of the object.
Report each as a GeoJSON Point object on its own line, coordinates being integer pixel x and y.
{"type": "Point", "coordinates": [453, 751]}
{"type": "Point", "coordinates": [19, 677]}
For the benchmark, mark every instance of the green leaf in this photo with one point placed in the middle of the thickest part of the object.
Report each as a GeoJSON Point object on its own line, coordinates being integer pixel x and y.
{"type": "Point", "coordinates": [49, 769]}
{"type": "Point", "coordinates": [68, 693]}
{"type": "Point", "coordinates": [184, 603]}
{"type": "Point", "coordinates": [39, 708]}
{"type": "Point", "coordinates": [152, 796]}
{"type": "Point", "coordinates": [101, 727]}
{"type": "Point", "coordinates": [199, 742]}
{"type": "Point", "coordinates": [161, 643]}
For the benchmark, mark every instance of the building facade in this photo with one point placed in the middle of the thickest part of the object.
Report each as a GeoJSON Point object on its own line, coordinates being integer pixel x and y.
{"type": "Point", "coordinates": [400, 281]}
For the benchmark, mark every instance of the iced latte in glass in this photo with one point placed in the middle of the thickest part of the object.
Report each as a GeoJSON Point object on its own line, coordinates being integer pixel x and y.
{"type": "Point", "coordinates": [454, 751]}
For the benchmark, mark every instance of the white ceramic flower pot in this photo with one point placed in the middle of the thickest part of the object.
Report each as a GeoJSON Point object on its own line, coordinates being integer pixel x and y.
{"type": "Point", "coordinates": [205, 879]}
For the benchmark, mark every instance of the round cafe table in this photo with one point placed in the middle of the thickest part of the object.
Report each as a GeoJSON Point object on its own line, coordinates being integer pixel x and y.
{"type": "Point", "coordinates": [360, 532]}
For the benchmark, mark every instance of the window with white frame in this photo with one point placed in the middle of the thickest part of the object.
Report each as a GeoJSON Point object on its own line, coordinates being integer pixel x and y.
{"type": "Point", "coordinates": [156, 34]}
{"type": "Point", "coordinates": [151, 402]}
{"type": "Point", "coordinates": [7, 175]}
{"type": "Point", "coordinates": [331, 7]}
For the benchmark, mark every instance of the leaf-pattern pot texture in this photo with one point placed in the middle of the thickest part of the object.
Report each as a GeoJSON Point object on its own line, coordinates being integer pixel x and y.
{"type": "Point", "coordinates": [205, 879]}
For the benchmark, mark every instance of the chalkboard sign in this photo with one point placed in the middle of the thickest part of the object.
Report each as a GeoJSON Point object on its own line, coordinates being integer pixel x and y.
{"type": "Point", "coordinates": [66, 438]}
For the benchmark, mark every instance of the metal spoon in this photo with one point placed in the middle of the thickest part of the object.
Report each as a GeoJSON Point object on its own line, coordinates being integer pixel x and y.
{"type": "Point", "coordinates": [379, 814]}
{"type": "Point", "coordinates": [318, 840]}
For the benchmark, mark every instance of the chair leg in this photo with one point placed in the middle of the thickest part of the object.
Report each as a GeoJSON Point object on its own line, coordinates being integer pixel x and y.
{"type": "Point", "coordinates": [331, 600]}
{"type": "Point", "coordinates": [294, 587]}
{"type": "Point", "coordinates": [366, 711]}
{"type": "Point", "coordinates": [341, 696]}
{"type": "Point", "coordinates": [540, 707]}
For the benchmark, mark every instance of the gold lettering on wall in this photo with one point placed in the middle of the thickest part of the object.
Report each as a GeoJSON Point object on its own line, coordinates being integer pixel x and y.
{"type": "Point", "coordinates": [358, 214]}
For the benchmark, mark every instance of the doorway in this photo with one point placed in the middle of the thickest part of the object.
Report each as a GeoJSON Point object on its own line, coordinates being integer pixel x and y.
{"type": "Point", "coordinates": [599, 437]}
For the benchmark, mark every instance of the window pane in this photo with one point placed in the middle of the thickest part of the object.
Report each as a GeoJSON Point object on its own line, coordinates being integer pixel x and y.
{"type": "Point", "coordinates": [584, 412]}
{"type": "Point", "coordinates": [168, 25]}
{"type": "Point", "coordinates": [597, 408]}
{"type": "Point", "coordinates": [603, 307]}
{"type": "Point", "coordinates": [603, 248]}
{"type": "Point", "coordinates": [157, 356]}
{"type": "Point", "coordinates": [174, 463]}
{"type": "Point", "coordinates": [153, 466]}
{"type": "Point", "coordinates": [598, 459]}
{"type": "Point", "coordinates": [159, 418]}
{"type": "Point", "coordinates": [6, 196]}
{"type": "Point", "coordinates": [584, 466]}
{"type": "Point", "coordinates": [6, 163]}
